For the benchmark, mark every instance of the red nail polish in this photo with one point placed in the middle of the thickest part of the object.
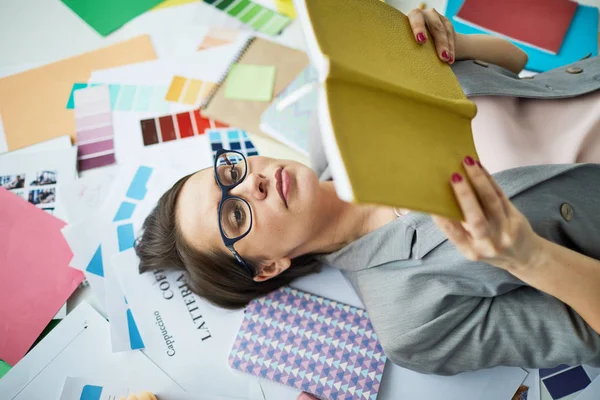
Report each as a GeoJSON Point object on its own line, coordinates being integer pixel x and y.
{"type": "Point", "coordinates": [451, 59]}
{"type": "Point", "coordinates": [478, 164]}
{"type": "Point", "coordinates": [421, 38]}
{"type": "Point", "coordinates": [456, 177]}
{"type": "Point", "coordinates": [445, 54]}
{"type": "Point", "coordinates": [469, 160]}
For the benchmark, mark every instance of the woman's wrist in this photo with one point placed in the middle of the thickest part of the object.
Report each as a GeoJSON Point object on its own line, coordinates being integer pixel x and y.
{"type": "Point", "coordinates": [532, 261]}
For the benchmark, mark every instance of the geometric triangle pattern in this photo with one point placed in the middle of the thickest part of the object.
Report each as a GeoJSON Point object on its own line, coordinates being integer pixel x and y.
{"type": "Point", "coordinates": [310, 343]}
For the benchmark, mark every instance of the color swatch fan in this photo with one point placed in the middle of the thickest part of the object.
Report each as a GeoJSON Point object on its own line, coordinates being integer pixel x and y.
{"type": "Point", "coordinates": [310, 343]}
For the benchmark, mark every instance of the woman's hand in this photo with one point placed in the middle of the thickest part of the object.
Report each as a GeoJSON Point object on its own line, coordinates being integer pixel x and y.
{"type": "Point", "coordinates": [494, 231]}
{"type": "Point", "coordinates": [429, 22]}
{"type": "Point", "coordinates": [306, 396]}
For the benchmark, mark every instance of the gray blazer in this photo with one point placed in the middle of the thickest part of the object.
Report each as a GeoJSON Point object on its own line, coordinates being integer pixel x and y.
{"type": "Point", "coordinates": [436, 312]}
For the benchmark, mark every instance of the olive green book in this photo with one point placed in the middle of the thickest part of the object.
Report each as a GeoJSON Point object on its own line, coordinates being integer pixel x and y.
{"type": "Point", "coordinates": [394, 120]}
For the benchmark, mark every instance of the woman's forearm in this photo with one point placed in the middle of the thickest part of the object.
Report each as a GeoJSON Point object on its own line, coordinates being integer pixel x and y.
{"type": "Point", "coordinates": [567, 275]}
{"type": "Point", "coordinates": [491, 49]}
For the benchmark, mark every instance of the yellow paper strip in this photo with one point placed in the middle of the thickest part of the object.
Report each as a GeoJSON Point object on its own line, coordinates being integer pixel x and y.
{"type": "Point", "coordinates": [175, 89]}
{"type": "Point", "coordinates": [207, 88]}
{"type": "Point", "coordinates": [191, 93]}
{"type": "Point", "coordinates": [172, 3]}
{"type": "Point", "coordinates": [286, 7]}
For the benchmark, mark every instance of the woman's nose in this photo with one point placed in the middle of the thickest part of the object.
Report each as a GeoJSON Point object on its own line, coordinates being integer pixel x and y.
{"type": "Point", "coordinates": [254, 186]}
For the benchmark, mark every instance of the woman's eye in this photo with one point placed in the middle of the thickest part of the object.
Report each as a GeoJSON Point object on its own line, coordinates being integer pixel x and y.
{"type": "Point", "coordinates": [238, 216]}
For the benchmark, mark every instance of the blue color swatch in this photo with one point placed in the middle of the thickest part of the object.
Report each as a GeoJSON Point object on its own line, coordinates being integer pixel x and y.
{"type": "Point", "coordinates": [91, 392]}
{"type": "Point", "coordinates": [125, 211]}
{"type": "Point", "coordinates": [95, 266]}
{"type": "Point", "coordinates": [137, 189]}
{"type": "Point", "coordinates": [126, 236]}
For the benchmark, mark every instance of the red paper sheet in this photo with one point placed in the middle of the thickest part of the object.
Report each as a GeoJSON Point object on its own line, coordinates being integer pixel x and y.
{"type": "Point", "coordinates": [34, 271]}
{"type": "Point", "coordinates": [539, 23]}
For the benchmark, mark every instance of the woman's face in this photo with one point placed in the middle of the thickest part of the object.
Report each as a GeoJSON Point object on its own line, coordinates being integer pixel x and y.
{"type": "Point", "coordinates": [281, 226]}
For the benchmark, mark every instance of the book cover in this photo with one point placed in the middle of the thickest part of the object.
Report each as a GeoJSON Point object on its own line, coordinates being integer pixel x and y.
{"type": "Point", "coordinates": [541, 24]}
{"type": "Point", "coordinates": [581, 39]}
{"type": "Point", "coordinates": [394, 120]}
{"type": "Point", "coordinates": [311, 343]}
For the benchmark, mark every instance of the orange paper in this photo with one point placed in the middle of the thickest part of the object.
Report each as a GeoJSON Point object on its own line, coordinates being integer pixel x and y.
{"type": "Point", "coordinates": [33, 103]}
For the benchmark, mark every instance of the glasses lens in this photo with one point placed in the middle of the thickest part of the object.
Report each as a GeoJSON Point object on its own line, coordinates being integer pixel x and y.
{"type": "Point", "coordinates": [235, 218]}
{"type": "Point", "coordinates": [231, 168]}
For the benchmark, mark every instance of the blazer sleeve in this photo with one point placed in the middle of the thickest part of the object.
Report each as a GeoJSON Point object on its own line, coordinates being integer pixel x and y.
{"type": "Point", "coordinates": [524, 327]}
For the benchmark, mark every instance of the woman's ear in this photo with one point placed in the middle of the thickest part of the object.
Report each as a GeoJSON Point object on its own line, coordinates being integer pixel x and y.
{"type": "Point", "coordinates": [271, 269]}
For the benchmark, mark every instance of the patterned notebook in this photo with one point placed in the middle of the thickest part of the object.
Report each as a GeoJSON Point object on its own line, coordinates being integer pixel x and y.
{"type": "Point", "coordinates": [289, 124]}
{"type": "Point", "coordinates": [311, 343]}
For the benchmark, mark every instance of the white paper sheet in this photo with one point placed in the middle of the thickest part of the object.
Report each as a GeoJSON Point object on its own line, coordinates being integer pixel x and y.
{"type": "Point", "coordinates": [533, 382]}
{"type": "Point", "coordinates": [184, 335]}
{"type": "Point", "coordinates": [592, 392]}
{"type": "Point", "coordinates": [34, 176]}
{"type": "Point", "coordinates": [83, 197]}
{"type": "Point", "coordinates": [80, 346]}
{"type": "Point", "coordinates": [80, 388]}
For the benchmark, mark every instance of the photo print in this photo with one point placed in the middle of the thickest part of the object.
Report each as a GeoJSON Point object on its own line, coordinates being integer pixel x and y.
{"type": "Point", "coordinates": [11, 182]}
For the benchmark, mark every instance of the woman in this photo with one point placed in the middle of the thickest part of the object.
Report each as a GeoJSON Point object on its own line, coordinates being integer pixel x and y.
{"type": "Point", "coordinates": [517, 283]}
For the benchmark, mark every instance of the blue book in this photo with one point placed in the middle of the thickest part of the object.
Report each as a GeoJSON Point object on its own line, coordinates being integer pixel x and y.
{"type": "Point", "coordinates": [580, 41]}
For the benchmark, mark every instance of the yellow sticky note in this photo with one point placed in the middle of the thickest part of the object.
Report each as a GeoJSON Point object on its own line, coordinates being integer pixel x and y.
{"type": "Point", "coordinates": [286, 7]}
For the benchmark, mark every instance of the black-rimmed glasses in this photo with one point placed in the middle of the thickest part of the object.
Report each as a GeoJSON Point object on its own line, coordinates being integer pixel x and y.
{"type": "Point", "coordinates": [235, 215]}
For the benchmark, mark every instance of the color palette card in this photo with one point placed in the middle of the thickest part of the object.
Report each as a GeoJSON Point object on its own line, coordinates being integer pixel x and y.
{"type": "Point", "coordinates": [311, 343]}
{"type": "Point", "coordinates": [139, 98]}
{"type": "Point", "coordinates": [93, 121]}
{"type": "Point", "coordinates": [564, 380]}
{"type": "Point", "coordinates": [254, 15]}
{"type": "Point", "coordinates": [84, 389]}
{"type": "Point", "coordinates": [35, 271]}
{"type": "Point", "coordinates": [231, 139]}
{"type": "Point", "coordinates": [175, 127]}
{"type": "Point", "coordinates": [189, 91]}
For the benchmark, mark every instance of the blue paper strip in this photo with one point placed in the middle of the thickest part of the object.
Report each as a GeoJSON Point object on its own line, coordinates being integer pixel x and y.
{"type": "Point", "coordinates": [135, 339]}
{"type": "Point", "coordinates": [125, 211]}
{"type": "Point", "coordinates": [91, 392]}
{"type": "Point", "coordinates": [137, 190]}
{"type": "Point", "coordinates": [96, 266]}
{"type": "Point", "coordinates": [126, 236]}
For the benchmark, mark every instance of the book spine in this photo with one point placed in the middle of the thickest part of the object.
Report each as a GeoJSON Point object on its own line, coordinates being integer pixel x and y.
{"type": "Point", "coordinates": [208, 98]}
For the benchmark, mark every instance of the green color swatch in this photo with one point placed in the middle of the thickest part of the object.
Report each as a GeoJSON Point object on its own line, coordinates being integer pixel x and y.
{"type": "Point", "coordinates": [4, 368]}
{"type": "Point", "coordinates": [106, 16]}
{"type": "Point", "coordinates": [238, 8]}
{"type": "Point", "coordinates": [250, 82]}
{"type": "Point", "coordinates": [251, 12]}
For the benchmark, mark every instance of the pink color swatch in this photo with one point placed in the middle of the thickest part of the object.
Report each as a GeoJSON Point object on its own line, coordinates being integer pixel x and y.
{"type": "Point", "coordinates": [93, 120]}
{"type": "Point", "coordinates": [35, 273]}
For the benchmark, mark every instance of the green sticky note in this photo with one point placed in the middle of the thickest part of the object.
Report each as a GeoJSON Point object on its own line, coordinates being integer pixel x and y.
{"type": "Point", "coordinates": [4, 368]}
{"type": "Point", "coordinates": [250, 82]}
{"type": "Point", "coordinates": [106, 16]}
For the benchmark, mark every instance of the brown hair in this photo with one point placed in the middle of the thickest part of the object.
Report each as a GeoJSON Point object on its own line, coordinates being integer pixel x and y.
{"type": "Point", "coordinates": [214, 275]}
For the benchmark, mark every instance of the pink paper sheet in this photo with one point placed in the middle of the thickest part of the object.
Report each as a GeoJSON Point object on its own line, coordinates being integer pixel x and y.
{"type": "Point", "coordinates": [36, 279]}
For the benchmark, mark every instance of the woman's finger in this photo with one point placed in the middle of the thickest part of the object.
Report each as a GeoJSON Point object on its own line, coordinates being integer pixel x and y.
{"type": "Point", "coordinates": [437, 29]}
{"type": "Point", "coordinates": [475, 221]}
{"type": "Point", "coordinates": [146, 396]}
{"type": "Point", "coordinates": [451, 35]}
{"type": "Point", "coordinates": [488, 197]}
{"type": "Point", "coordinates": [132, 396]}
{"type": "Point", "coordinates": [506, 204]}
{"type": "Point", "coordinates": [456, 233]}
{"type": "Point", "coordinates": [417, 23]}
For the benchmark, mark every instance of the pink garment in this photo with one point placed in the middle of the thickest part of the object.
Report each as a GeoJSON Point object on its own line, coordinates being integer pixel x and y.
{"type": "Point", "coordinates": [510, 132]}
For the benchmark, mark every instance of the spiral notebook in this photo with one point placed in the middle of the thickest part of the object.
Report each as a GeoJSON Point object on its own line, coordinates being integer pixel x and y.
{"type": "Point", "coordinates": [246, 114]}
{"type": "Point", "coordinates": [310, 343]}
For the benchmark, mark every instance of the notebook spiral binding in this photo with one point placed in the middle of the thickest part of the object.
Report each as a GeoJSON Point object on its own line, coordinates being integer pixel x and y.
{"type": "Point", "coordinates": [220, 81]}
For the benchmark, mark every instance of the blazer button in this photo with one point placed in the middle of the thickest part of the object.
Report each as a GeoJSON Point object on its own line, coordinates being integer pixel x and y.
{"type": "Point", "coordinates": [482, 63]}
{"type": "Point", "coordinates": [566, 211]}
{"type": "Point", "coordinates": [574, 70]}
